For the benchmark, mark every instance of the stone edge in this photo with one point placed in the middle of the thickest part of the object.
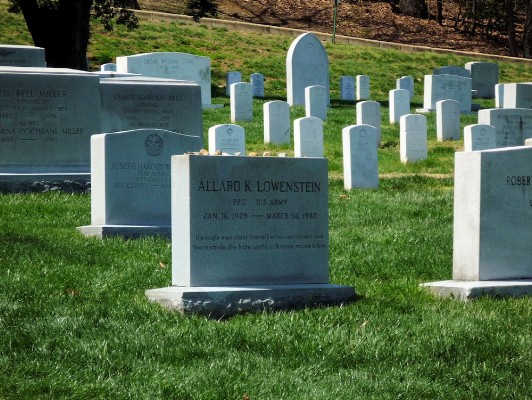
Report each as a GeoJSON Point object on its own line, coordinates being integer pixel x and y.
{"type": "Point", "coordinates": [468, 290]}
{"type": "Point", "coordinates": [223, 302]}
{"type": "Point", "coordinates": [125, 231]}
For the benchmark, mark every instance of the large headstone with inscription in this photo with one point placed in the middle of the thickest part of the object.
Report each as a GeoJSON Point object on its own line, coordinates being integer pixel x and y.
{"type": "Point", "coordinates": [47, 117]}
{"type": "Point", "coordinates": [181, 66]}
{"type": "Point", "coordinates": [249, 233]}
{"type": "Point", "coordinates": [517, 95]}
{"type": "Point", "coordinates": [129, 104]}
{"type": "Point", "coordinates": [452, 70]}
{"type": "Point", "coordinates": [21, 56]}
{"type": "Point", "coordinates": [306, 65]}
{"type": "Point", "coordinates": [492, 224]}
{"type": "Point", "coordinates": [484, 75]}
{"type": "Point", "coordinates": [512, 125]}
{"type": "Point", "coordinates": [130, 188]}
{"type": "Point", "coordinates": [447, 87]}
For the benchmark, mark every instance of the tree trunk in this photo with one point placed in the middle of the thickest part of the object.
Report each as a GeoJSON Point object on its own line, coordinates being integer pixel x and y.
{"type": "Point", "coordinates": [510, 27]}
{"type": "Point", "coordinates": [63, 31]}
{"type": "Point", "coordinates": [414, 8]}
{"type": "Point", "coordinates": [527, 34]}
{"type": "Point", "coordinates": [439, 11]}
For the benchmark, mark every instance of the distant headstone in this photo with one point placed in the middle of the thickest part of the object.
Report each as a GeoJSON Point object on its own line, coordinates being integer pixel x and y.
{"type": "Point", "coordinates": [181, 66]}
{"type": "Point", "coordinates": [276, 122]}
{"type": "Point", "coordinates": [492, 215]}
{"type": "Point", "coordinates": [133, 104]}
{"type": "Point", "coordinates": [362, 87]}
{"type": "Point", "coordinates": [406, 82]}
{"type": "Point", "coordinates": [447, 87]}
{"type": "Point", "coordinates": [308, 137]}
{"type": "Point", "coordinates": [499, 95]}
{"type": "Point", "coordinates": [447, 120]}
{"type": "Point", "coordinates": [306, 65]}
{"type": "Point", "coordinates": [241, 102]}
{"type": "Point", "coordinates": [227, 138]}
{"type": "Point", "coordinates": [359, 143]}
{"type": "Point", "coordinates": [413, 138]}
{"type": "Point", "coordinates": [316, 102]}
{"type": "Point", "coordinates": [249, 233]}
{"type": "Point", "coordinates": [111, 67]}
{"type": "Point", "coordinates": [512, 125]}
{"type": "Point", "coordinates": [130, 187]}
{"type": "Point", "coordinates": [399, 104]}
{"type": "Point", "coordinates": [47, 117]}
{"type": "Point", "coordinates": [452, 70]}
{"type": "Point", "coordinates": [21, 56]}
{"type": "Point", "coordinates": [517, 95]}
{"type": "Point", "coordinates": [230, 78]}
{"type": "Point", "coordinates": [257, 82]}
{"type": "Point", "coordinates": [528, 142]}
{"type": "Point", "coordinates": [369, 113]}
{"type": "Point", "coordinates": [479, 137]}
{"type": "Point", "coordinates": [485, 76]}
{"type": "Point", "coordinates": [492, 222]}
{"type": "Point", "coordinates": [347, 88]}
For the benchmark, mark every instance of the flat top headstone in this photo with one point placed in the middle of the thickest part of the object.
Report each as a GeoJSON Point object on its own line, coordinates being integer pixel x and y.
{"type": "Point", "coordinates": [447, 87]}
{"type": "Point", "coordinates": [452, 70]}
{"type": "Point", "coordinates": [307, 64]}
{"type": "Point", "coordinates": [22, 56]}
{"type": "Point", "coordinates": [249, 221]}
{"type": "Point", "coordinates": [512, 125]}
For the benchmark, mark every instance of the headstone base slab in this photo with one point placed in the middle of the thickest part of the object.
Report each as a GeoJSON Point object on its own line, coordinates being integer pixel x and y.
{"type": "Point", "coordinates": [226, 301]}
{"type": "Point", "coordinates": [125, 231]}
{"type": "Point", "coordinates": [467, 290]}
{"type": "Point", "coordinates": [74, 182]}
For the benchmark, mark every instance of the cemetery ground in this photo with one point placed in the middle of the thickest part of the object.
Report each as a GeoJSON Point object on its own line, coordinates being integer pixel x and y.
{"type": "Point", "coordinates": [74, 321]}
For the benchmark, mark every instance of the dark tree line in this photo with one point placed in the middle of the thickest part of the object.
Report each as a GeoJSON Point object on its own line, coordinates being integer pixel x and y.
{"type": "Point", "coordinates": [62, 27]}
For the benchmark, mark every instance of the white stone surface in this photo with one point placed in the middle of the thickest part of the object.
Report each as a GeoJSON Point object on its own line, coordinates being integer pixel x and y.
{"type": "Point", "coordinates": [316, 102]}
{"type": "Point", "coordinates": [493, 214]}
{"type": "Point", "coordinates": [517, 95]}
{"type": "Point", "coordinates": [257, 82]}
{"type": "Point", "coordinates": [447, 120]}
{"type": "Point", "coordinates": [240, 221]}
{"type": "Point", "coordinates": [369, 113]}
{"type": "Point", "coordinates": [347, 88]}
{"type": "Point", "coordinates": [173, 65]}
{"type": "Point", "coordinates": [360, 162]}
{"type": "Point", "coordinates": [484, 75]}
{"type": "Point", "coordinates": [362, 87]}
{"type": "Point", "coordinates": [308, 137]}
{"type": "Point", "coordinates": [241, 102]}
{"type": "Point", "coordinates": [413, 138]}
{"type": "Point", "coordinates": [406, 82]}
{"type": "Point", "coordinates": [447, 87]}
{"type": "Point", "coordinates": [47, 118]}
{"type": "Point", "coordinates": [512, 126]}
{"type": "Point", "coordinates": [227, 138]}
{"type": "Point", "coordinates": [21, 56]}
{"type": "Point", "coordinates": [168, 105]}
{"type": "Point", "coordinates": [307, 64]}
{"type": "Point", "coordinates": [111, 67]}
{"type": "Point", "coordinates": [452, 70]}
{"type": "Point", "coordinates": [468, 290]}
{"type": "Point", "coordinates": [479, 137]}
{"type": "Point", "coordinates": [399, 100]}
{"type": "Point", "coordinates": [276, 122]}
{"type": "Point", "coordinates": [499, 95]}
{"type": "Point", "coordinates": [230, 78]}
{"type": "Point", "coordinates": [131, 176]}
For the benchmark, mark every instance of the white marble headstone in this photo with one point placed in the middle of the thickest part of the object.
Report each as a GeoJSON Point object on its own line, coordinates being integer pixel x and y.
{"type": "Point", "coordinates": [108, 67]}
{"type": "Point", "coordinates": [447, 120]}
{"type": "Point", "coordinates": [316, 102]}
{"type": "Point", "coordinates": [493, 214]}
{"type": "Point", "coordinates": [276, 122]}
{"type": "Point", "coordinates": [369, 113]}
{"type": "Point", "coordinates": [308, 137]}
{"type": "Point", "coordinates": [257, 82]}
{"type": "Point", "coordinates": [406, 82]}
{"type": "Point", "coordinates": [512, 125]}
{"type": "Point", "coordinates": [479, 137]}
{"type": "Point", "coordinates": [399, 104]}
{"type": "Point", "coordinates": [360, 160]}
{"type": "Point", "coordinates": [499, 95]}
{"type": "Point", "coordinates": [347, 88]}
{"type": "Point", "coordinates": [227, 138]}
{"type": "Point", "coordinates": [362, 87]}
{"type": "Point", "coordinates": [230, 78]}
{"type": "Point", "coordinates": [452, 70]}
{"type": "Point", "coordinates": [241, 102]}
{"type": "Point", "coordinates": [517, 95]}
{"type": "Point", "coordinates": [307, 64]}
{"type": "Point", "coordinates": [447, 87]}
{"type": "Point", "coordinates": [413, 138]}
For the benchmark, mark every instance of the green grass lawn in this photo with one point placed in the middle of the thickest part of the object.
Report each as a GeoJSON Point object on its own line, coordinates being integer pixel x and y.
{"type": "Point", "coordinates": [75, 324]}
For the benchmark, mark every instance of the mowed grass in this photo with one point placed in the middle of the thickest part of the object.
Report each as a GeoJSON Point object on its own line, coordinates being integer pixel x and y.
{"type": "Point", "coordinates": [74, 322]}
